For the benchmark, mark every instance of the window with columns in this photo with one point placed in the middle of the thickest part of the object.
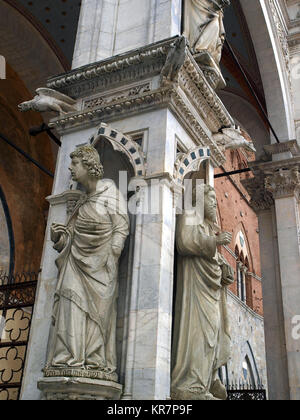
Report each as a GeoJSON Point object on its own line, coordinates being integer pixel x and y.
{"type": "Point", "coordinates": [242, 266]}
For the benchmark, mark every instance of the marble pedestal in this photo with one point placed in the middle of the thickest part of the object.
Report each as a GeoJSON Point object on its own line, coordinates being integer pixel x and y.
{"type": "Point", "coordinates": [79, 389]}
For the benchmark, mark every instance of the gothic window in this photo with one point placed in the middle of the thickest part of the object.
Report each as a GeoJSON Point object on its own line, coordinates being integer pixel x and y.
{"type": "Point", "coordinates": [248, 375]}
{"type": "Point", "coordinates": [242, 266]}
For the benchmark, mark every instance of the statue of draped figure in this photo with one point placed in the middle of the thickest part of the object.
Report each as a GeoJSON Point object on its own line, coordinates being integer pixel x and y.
{"type": "Point", "coordinates": [83, 335]}
{"type": "Point", "coordinates": [201, 344]}
{"type": "Point", "coordinates": [204, 26]}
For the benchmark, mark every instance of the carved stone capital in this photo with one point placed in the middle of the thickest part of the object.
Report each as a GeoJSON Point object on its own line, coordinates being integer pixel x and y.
{"type": "Point", "coordinates": [260, 198]}
{"type": "Point", "coordinates": [284, 183]}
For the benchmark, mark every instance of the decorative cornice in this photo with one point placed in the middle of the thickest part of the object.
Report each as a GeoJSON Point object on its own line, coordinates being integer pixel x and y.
{"type": "Point", "coordinates": [131, 83]}
{"type": "Point", "coordinates": [106, 73]}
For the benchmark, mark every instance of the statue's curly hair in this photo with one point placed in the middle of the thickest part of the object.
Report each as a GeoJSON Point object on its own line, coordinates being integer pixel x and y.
{"type": "Point", "coordinates": [90, 159]}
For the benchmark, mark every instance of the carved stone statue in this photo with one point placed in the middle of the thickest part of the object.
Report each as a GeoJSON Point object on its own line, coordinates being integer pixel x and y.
{"type": "Point", "coordinates": [201, 338]}
{"type": "Point", "coordinates": [82, 340]}
{"type": "Point", "coordinates": [204, 26]}
{"type": "Point", "coordinates": [49, 100]}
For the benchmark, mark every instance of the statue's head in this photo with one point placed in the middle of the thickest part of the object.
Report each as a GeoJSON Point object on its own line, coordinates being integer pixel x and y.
{"type": "Point", "coordinates": [210, 201]}
{"type": "Point", "coordinates": [210, 204]}
{"type": "Point", "coordinates": [85, 164]}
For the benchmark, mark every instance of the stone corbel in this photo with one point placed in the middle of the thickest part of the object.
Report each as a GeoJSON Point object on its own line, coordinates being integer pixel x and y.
{"type": "Point", "coordinates": [261, 199]}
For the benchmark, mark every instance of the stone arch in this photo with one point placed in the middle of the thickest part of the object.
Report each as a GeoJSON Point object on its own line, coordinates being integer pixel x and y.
{"type": "Point", "coordinates": [272, 65]}
{"type": "Point", "coordinates": [190, 162]}
{"type": "Point", "coordinates": [121, 143]}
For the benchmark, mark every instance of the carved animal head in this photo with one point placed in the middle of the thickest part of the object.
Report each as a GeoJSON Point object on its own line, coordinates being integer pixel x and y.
{"type": "Point", "coordinates": [25, 106]}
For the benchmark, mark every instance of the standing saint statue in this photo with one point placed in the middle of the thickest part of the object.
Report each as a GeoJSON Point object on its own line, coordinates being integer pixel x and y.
{"type": "Point", "coordinates": [83, 335]}
{"type": "Point", "coordinates": [201, 337]}
{"type": "Point", "coordinates": [204, 26]}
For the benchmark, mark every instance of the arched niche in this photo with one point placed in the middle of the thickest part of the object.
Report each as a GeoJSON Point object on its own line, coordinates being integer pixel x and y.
{"type": "Point", "coordinates": [122, 161]}
{"type": "Point", "coordinates": [192, 165]}
{"type": "Point", "coordinates": [121, 143]}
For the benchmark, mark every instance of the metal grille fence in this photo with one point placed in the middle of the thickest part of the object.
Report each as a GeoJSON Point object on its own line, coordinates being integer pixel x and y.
{"type": "Point", "coordinates": [246, 392]}
{"type": "Point", "coordinates": [17, 295]}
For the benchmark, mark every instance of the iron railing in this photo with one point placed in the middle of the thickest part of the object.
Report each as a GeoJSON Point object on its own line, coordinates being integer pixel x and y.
{"type": "Point", "coordinates": [17, 296]}
{"type": "Point", "coordinates": [246, 392]}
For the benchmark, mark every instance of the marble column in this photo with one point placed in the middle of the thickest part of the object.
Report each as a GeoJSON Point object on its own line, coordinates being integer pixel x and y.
{"type": "Point", "coordinates": [285, 187]}
{"type": "Point", "coordinates": [275, 197]}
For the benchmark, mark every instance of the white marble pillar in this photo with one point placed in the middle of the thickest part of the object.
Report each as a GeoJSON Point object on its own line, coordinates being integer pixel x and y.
{"type": "Point", "coordinates": [285, 187]}
{"type": "Point", "coordinates": [275, 193]}
{"type": "Point", "coordinates": [273, 311]}
{"type": "Point", "coordinates": [110, 27]}
{"type": "Point", "coordinates": [148, 364]}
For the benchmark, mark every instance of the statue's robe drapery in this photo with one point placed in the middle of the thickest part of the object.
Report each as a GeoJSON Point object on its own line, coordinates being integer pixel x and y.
{"type": "Point", "coordinates": [204, 26]}
{"type": "Point", "coordinates": [83, 335]}
{"type": "Point", "coordinates": [201, 339]}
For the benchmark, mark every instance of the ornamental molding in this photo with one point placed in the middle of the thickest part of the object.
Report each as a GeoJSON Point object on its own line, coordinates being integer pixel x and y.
{"type": "Point", "coordinates": [133, 82]}
{"type": "Point", "coordinates": [281, 31]}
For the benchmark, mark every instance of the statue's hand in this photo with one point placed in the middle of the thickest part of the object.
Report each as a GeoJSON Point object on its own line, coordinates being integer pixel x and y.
{"type": "Point", "coordinates": [224, 238]}
{"type": "Point", "coordinates": [58, 236]}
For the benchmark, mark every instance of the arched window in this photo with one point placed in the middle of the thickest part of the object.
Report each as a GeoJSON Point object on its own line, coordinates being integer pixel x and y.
{"type": "Point", "coordinates": [6, 238]}
{"type": "Point", "coordinates": [242, 266]}
{"type": "Point", "coordinates": [248, 375]}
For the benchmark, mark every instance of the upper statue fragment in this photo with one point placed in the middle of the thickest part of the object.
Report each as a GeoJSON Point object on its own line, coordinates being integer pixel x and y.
{"type": "Point", "coordinates": [204, 26]}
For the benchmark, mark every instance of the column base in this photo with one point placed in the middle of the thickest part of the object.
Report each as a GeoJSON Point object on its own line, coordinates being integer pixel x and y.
{"type": "Point", "coordinates": [79, 389]}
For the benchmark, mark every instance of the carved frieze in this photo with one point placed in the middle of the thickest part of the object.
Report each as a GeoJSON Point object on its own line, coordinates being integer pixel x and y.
{"type": "Point", "coordinates": [162, 74]}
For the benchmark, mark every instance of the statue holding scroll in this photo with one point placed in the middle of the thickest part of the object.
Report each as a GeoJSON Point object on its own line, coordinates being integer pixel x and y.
{"type": "Point", "coordinates": [83, 336]}
{"type": "Point", "coordinates": [201, 339]}
{"type": "Point", "coordinates": [204, 26]}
